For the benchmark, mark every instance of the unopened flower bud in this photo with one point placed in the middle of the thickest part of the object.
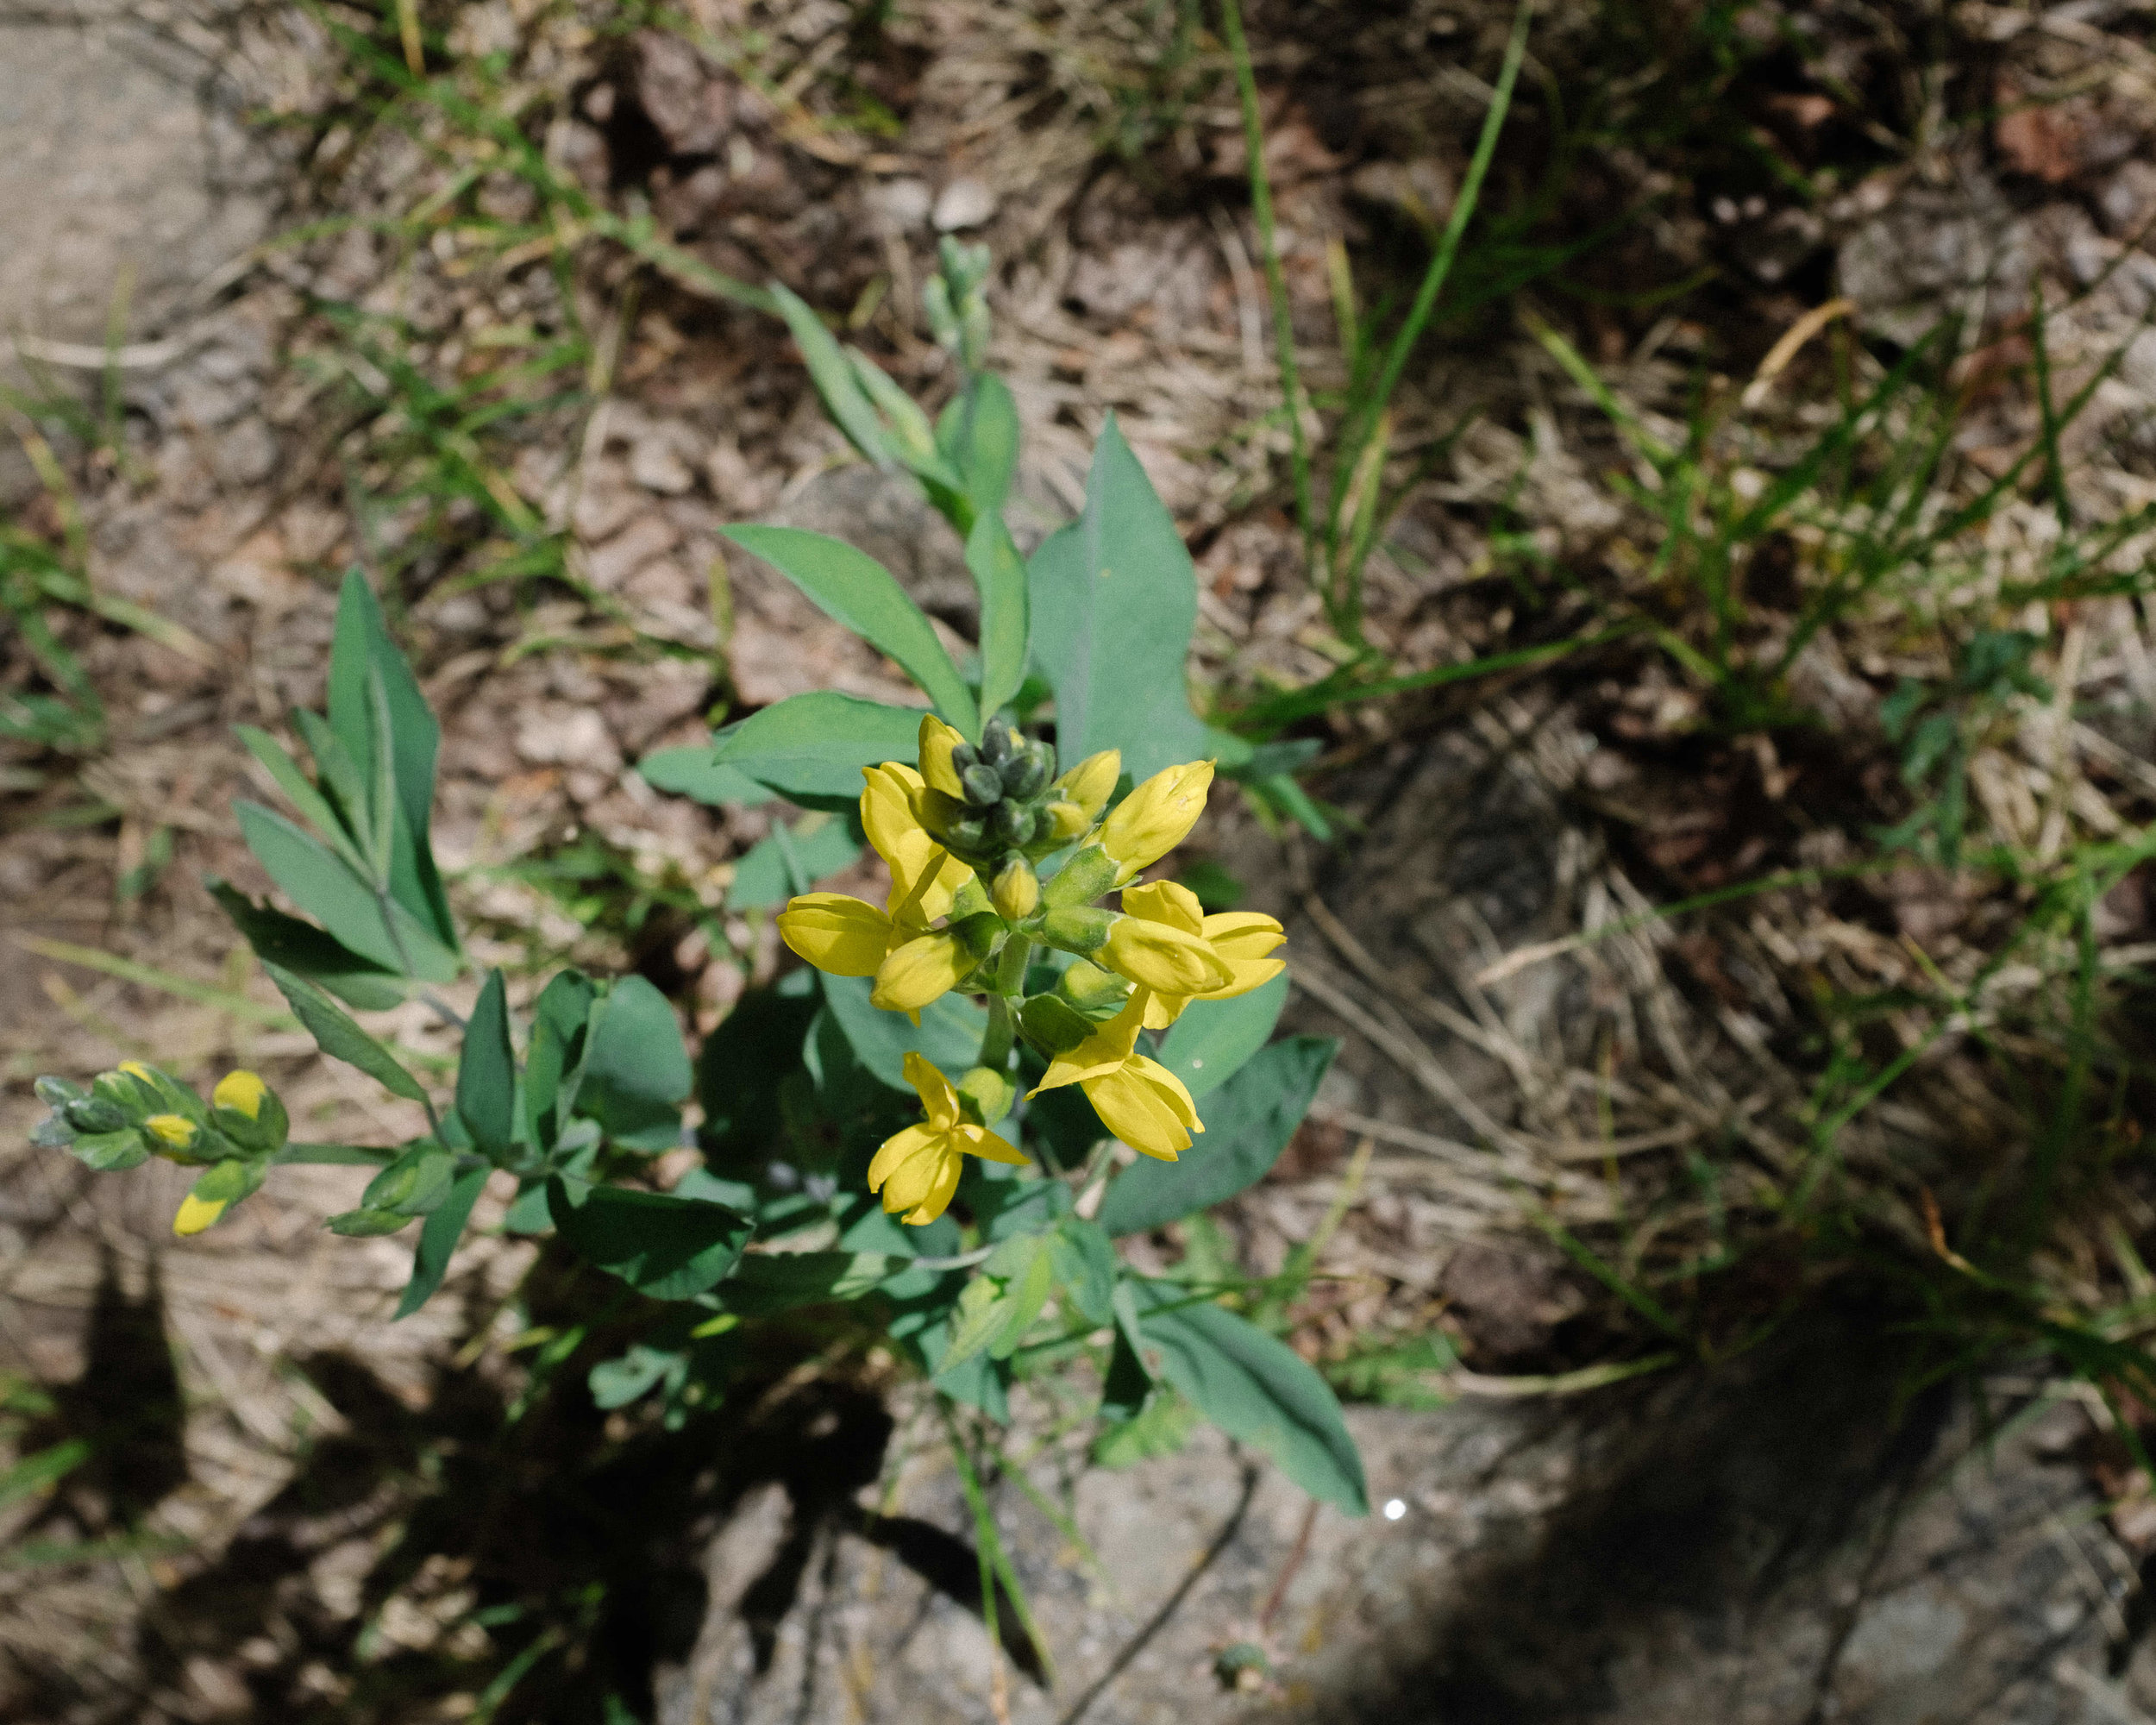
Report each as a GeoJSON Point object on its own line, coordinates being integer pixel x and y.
{"type": "Point", "coordinates": [1026, 775]}
{"type": "Point", "coordinates": [1017, 892]}
{"type": "Point", "coordinates": [1157, 817]}
{"type": "Point", "coordinates": [1077, 928]}
{"type": "Point", "coordinates": [989, 1091]}
{"type": "Point", "coordinates": [1013, 822]}
{"type": "Point", "coordinates": [1093, 991]}
{"type": "Point", "coordinates": [984, 784]}
{"type": "Point", "coordinates": [1083, 879]}
{"type": "Point", "coordinates": [1061, 822]}
{"type": "Point", "coordinates": [939, 743]}
{"type": "Point", "coordinates": [997, 741]}
{"type": "Point", "coordinates": [1092, 782]}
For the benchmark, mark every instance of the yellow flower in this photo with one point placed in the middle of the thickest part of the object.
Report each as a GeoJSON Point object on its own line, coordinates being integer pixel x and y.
{"type": "Point", "coordinates": [924, 967]}
{"type": "Point", "coordinates": [177, 1130]}
{"type": "Point", "coordinates": [1016, 892]}
{"type": "Point", "coordinates": [1157, 817]}
{"type": "Point", "coordinates": [837, 934]}
{"type": "Point", "coordinates": [1146, 1105]}
{"type": "Point", "coordinates": [1092, 782]}
{"type": "Point", "coordinates": [195, 1214]}
{"type": "Point", "coordinates": [1138, 1099]}
{"type": "Point", "coordinates": [241, 1092]}
{"type": "Point", "coordinates": [1163, 957]}
{"type": "Point", "coordinates": [938, 740]}
{"type": "Point", "coordinates": [845, 937]}
{"type": "Point", "coordinates": [917, 1170]}
{"type": "Point", "coordinates": [1238, 940]}
{"type": "Point", "coordinates": [924, 876]}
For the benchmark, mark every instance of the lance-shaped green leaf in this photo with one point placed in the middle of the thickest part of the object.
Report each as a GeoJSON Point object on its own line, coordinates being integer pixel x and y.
{"type": "Point", "coordinates": [361, 651]}
{"type": "Point", "coordinates": [667, 1247]}
{"type": "Point", "coordinates": [978, 433]}
{"type": "Point", "coordinates": [314, 808]}
{"type": "Point", "coordinates": [1114, 598]}
{"type": "Point", "coordinates": [554, 1067]}
{"type": "Point", "coordinates": [1256, 1389]}
{"type": "Point", "coordinates": [843, 399]}
{"type": "Point", "coordinates": [300, 946]}
{"type": "Point", "coordinates": [1248, 1121]}
{"type": "Point", "coordinates": [693, 771]}
{"type": "Point", "coordinates": [853, 588]}
{"type": "Point", "coordinates": [320, 882]}
{"type": "Point", "coordinates": [768, 1282]}
{"type": "Point", "coordinates": [810, 748]}
{"type": "Point", "coordinates": [949, 1034]}
{"type": "Point", "coordinates": [339, 1038]}
{"type": "Point", "coordinates": [438, 1238]}
{"type": "Point", "coordinates": [1006, 609]}
{"type": "Point", "coordinates": [486, 1073]}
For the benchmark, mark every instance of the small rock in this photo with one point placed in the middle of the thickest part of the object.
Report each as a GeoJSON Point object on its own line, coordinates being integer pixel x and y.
{"type": "Point", "coordinates": [683, 95]}
{"type": "Point", "coordinates": [655, 465]}
{"type": "Point", "coordinates": [648, 537]}
{"type": "Point", "coordinates": [904, 203]}
{"type": "Point", "coordinates": [963, 203]}
{"type": "Point", "coordinates": [566, 737]}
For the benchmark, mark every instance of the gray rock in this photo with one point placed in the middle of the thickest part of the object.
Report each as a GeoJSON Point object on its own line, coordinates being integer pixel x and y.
{"type": "Point", "coordinates": [1761, 1546]}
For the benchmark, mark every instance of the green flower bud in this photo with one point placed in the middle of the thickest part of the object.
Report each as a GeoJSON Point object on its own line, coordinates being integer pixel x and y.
{"type": "Point", "coordinates": [94, 1114]}
{"type": "Point", "coordinates": [990, 1091]}
{"type": "Point", "coordinates": [984, 784]}
{"type": "Point", "coordinates": [1026, 775]}
{"type": "Point", "coordinates": [415, 1183]}
{"type": "Point", "coordinates": [1081, 879]}
{"type": "Point", "coordinates": [1097, 994]}
{"type": "Point", "coordinates": [1077, 928]}
{"type": "Point", "coordinates": [1014, 823]}
{"type": "Point", "coordinates": [997, 742]}
{"type": "Point", "coordinates": [1054, 1026]}
{"type": "Point", "coordinates": [364, 1224]}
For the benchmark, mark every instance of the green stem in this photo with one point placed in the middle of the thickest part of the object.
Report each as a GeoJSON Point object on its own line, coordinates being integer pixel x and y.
{"type": "Point", "coordinates": [995, 1041]}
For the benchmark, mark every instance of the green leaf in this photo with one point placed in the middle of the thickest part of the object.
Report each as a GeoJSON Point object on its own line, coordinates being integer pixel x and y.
{"type": "Point", "coordinates": [976, 1320]}
{"type": "Point", "coordinates": [907, 431]}
{"type": "Point", "coordinates": [636, 1074]}
{"type": "Point", "coordinates": [339, 1038]}
{"type": "Point", "coordinates": [361, 651]}
{"type": "Point", "coordinates": [1257, 1390]}
{"type": "Point", "coordinates": [842, 396]}
{"type": "Point", "coordinates": [381, 787]}
{"type": "Point", "coordinates": [553, 1063]}
{"type": "Point", "coordinates": [740, 1068]}
{"type": "Point", "coordinates": [304, 796]}
{"type": "Point", "coordinates": [853, 588]}
{"type": "Point", "coordinates": [1005, 612]}
{"type": "Point", "coordinates": [438, 1241]}
{"type": "Point", "coordinates": [42, 1468]}
{"type": "Point", "coordinates": [1162, 1428]}
{"type": "Point", "coordinates": [667, 1248]}
{"type": "Point", "coordinates": [1084, 1268]}
{"type": "Point", "coordinates": [1207, 1045]}
{"type": "Point", "coordinates": [1248, 1124]}
{"type": "Point", "coordinates": [762, 879]}
{"type": "Point", "coordinates": [948, 1035]}
{"type": "Point", "coordinates": [486, 1075]}
{"type": "Point", "coordinates": [695, 772]}
{"type": "Point", "coordinates": [1029, 1292]}
{"type": "Point", "coordinates": [341, 785]}
{"type": "Point", "coordinates": [318, 881]}
{"type": "Point", "coordinates": [978, 433]}
{"type": "Point", "coordinates": [300, 946]}
{"type": "Point", "coordinates": [1114, 598]}
{"type": "Point", "coordinates": [811, 748]}
{"type": "Point", "coordinates": [768, 1282]}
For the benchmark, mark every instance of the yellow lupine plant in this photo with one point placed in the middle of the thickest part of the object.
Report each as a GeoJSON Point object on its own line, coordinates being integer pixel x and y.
{"type": "Point", "coordinates": [962, 814]}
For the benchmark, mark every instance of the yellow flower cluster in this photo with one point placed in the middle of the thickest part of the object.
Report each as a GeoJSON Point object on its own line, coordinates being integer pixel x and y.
{"type": "Point", "coordinates": [941, 928]}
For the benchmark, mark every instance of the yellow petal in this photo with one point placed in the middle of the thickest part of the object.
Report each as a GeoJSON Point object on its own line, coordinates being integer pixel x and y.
{"type": "Point", "coordinates": [938, 740]}
{"type": "Point", "coordinates": [1165, 901]}
{"type": "Point", "coordinates": [241, 1092]}
{"type": "Point", "coordinates": [936, 1198]}
{"type": "Point", "coordinates": [1092, 782]}
{"type": "Point", "coordinates": [923, 970]}
{"type": "Point", "coordinates": [1146, 1105]}
{"type": "Point", "coordinates": [177, 1130]}
{"type": "Point", "coordinates": [135, 1069]}
{"type": "Point", "coordinates": [937, 1093]}
{"type": "Point", "coordinates": [1242, 938]}
{"type": "Point", "coordinates": [1157, 817]}
{"type": "Point", "coordinates": [1162, 957]}
{"type": "Point", "coordinates": [924, 876]}
{"type": "Point", "coordinates": [1162, 1010]}
{"type": "Point", "coordinates": [1106, 1049]}
{"type": "Point", "coordinates": [195, 1215]}
{"type": "Point", "coordinates": [916, 1170]}
{"type": "Point", "coordinates": [986, 1146]}
{"type": "Point", "coordinates": [835, 933]}
{"type": "Point", "coordinates": [898, 1149]}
